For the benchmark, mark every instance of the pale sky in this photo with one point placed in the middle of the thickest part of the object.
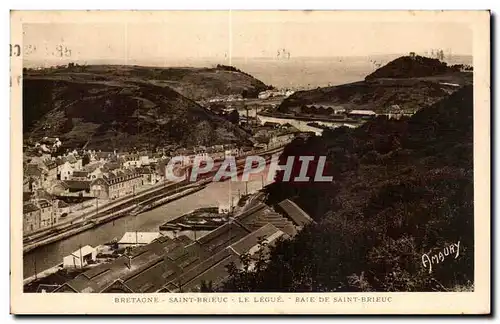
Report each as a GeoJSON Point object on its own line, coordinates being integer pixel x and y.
{"type": "Point", "coordinates": [217, 35]}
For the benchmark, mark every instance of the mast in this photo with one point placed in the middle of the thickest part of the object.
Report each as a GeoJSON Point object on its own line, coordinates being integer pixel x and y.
{"type": "Point", "coordinates": [230, 194]}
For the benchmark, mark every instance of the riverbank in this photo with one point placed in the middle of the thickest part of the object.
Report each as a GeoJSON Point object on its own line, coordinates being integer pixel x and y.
{"type": "Point", "coordinates": [215, 194]}
{"type": "Point", "coordinates": [88, 224]}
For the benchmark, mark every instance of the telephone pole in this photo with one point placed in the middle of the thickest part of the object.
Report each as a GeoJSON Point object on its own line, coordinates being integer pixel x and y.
{"type": "Point", "coordinates": [34, 260]}
{"type": "Point", "coordinates": [81, 261]}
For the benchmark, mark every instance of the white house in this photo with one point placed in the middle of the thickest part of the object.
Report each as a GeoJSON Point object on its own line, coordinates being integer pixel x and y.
{"type": "Point", "coordinates": [224, 208]}
{"type": "Point", "coordinates": [232, 152]}
{"type": "Point", "coordinates": [80, 258]}
{"type": "Point", "coordinates": [75, 161]}
{"type": "Point", "coordinates": [362, 113]}
{"type": "Point", "coordinates": [95, 174]}
{"type": "Point", "coordinates": [144, 160]}
{"type": "Point", "coordinates": [66, 171]}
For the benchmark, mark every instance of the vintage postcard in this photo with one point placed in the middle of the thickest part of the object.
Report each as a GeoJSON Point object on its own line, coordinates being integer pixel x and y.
{"type": "Point", "coordinates": [250, 162]}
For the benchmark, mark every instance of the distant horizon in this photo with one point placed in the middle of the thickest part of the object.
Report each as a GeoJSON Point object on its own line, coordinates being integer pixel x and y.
{"type": "Point", "coordinates": [296, 73]}
{"type": "Point", "coordinates": [153, 62]}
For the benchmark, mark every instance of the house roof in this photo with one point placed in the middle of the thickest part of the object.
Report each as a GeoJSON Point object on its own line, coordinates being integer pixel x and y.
{"type": "Point", "coordinates": [85, 250]}
{"type": "Point", "coordinates": [91, 167]}
{"type": "Point", "coordinates": [71, 159]}
{"type": "Point", "coordinates": [50, 164]}
{"type": "Point", "coordinates": [216, 274]}
{"type": "Point", "coordinates": [62, 204]}
{"type": "Point", "coordinates": [27, 196]}
{"type": "Point", "coordinates": [29, 207]}
{"type": "Point", "coordinates": [120, 176]}
{"type": "Point", "coordinates": [222, 236]}
{"type": "Point", "coordinates": [295, 213]}
{"type": "Point", "coordinates": [212, 268]}
{"type": "Point", "coordinates": [44, 203]}
{"type": "Point", "coordinates": [144, 170]}
{"type": "Point", "coordinates": [251, 240]}
{"type": "Point", "coordinates": [104, 275]}
{"type": "Point", "coordinates": [77, 184]}
{"type": "Point", "coordinates": [118, 287]}
{"type": "Point", "coordinates": [111, 166]}
{"type": "Point", "coordinates": [60, 184]}
{"type": "Point", "coordinates": [80, 174]}
{"type": "Point", "coordinates": [46, 288]}
{"type": "Point", "coordinates": [131, 157]}
{"type": "Point", "coordinates": [261, 214]}
{"type": "Point", "coordinates": [33, 170]}
{"type": "Point", "coordinates": [60, 161]}
{"type": "Point", "coordinates": [139, 237]}
{"type": "Point", "coordinates": [100, 181]}
{"type": "Point", "coordinates": [362, 112]}
{"type": "Point", "coordinates": [43, 194]}
{"type": "Point", "coordinates": [104, 155]}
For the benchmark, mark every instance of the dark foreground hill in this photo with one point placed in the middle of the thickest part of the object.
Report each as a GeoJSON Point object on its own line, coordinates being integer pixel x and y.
{"type": "Point", "coordinates": [409, 83]}
{"type": "Point", "coordinates": [401, 190]}
{"type": "Point", "coordinates": [118, 114]}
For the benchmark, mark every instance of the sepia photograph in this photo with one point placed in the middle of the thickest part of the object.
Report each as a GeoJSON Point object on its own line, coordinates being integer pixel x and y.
{"type": "Point", "coordinates": [296, 153]}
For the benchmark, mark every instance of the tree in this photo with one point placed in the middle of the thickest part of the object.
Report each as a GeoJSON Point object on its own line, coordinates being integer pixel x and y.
{"type": "Point", "coordinates": [249, 274]}
{"type": "Point", "coordinates": [85, 159]}
{"type": "Point", "coordinates": [375, 220]}
{"type": "Point", "coordinates": [233, 117]}
{"type": "Point", "coordinates": [207, 286]}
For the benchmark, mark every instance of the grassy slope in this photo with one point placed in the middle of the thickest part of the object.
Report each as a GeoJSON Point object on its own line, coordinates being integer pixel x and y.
{"type": "Point", "coordinates": [118, 114]}
{"type": "Point", "coordinates": [194, 83]}
{"type": "Point", "coordinates": [411, 84]}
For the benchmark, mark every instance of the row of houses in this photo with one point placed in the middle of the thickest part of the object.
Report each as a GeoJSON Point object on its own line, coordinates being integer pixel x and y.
{"type": "Point", "coordinates": [42, 171]}
{"type": "Point", "coordinates": [43, 213]}
{"type": "Point", "coordinates": [275, 93]}
{"type": "Point", "coordinates": [105, 176]}
{"type": "Point", "coordinates": [181, 264]}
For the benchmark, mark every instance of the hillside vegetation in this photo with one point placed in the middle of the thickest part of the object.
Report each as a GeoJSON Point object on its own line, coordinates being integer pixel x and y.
{"type": "Point", "coordinates": [118, 114]}
{"type": "Point", "coordinates": [194, 83]}
{"type": "Point", "coordinates": [410, 67]}
{"type": "Point", "coordinates": [401, 189]}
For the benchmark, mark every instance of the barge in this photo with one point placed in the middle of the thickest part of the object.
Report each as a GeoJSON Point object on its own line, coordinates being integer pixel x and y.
{"type": "Point", "coordinates": [207, 218]}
